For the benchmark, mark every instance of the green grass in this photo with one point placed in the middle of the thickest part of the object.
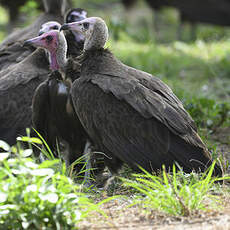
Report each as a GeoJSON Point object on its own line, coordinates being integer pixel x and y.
{"type": "Point", "coordinates": [177, 193]}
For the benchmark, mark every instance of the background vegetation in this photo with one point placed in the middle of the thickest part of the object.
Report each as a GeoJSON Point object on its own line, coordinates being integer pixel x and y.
{"type": "Point", "coordinates": [197, 70]}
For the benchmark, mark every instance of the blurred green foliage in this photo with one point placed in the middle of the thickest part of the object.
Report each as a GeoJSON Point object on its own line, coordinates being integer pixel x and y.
{"type": "Point", "coordinates": [30, 8]}
{"type": "Point", "coordinates": [3, 22]}
{"type": "Point", "coordinates": [207, 113]}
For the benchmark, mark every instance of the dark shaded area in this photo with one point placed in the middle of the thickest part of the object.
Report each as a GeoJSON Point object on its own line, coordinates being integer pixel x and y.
{"type": "Point", "coordinates": [205, 11]}
{"type": "Point", "coordinates": [215, 12]}
{"type": "Point", "coordinates": [55, 119]}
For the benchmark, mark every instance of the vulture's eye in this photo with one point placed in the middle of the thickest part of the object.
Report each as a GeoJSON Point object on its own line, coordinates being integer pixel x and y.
{"type": "Point", "coordinates": [55, 28]}
{"type": "Point", "coordinates": [86, 25]}
{"type": "Point", "coordinates": [71, 18]}
{"type": "Point", "coordinates": [49, 38]}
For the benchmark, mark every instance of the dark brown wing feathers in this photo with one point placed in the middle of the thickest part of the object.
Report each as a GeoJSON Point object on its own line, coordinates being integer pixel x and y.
{"type": "Point", "coordinates": [135, 116]}
{"type": "Point", "coordinates": [53, 120]}
{"type": "Point", "coordinates": [21, 73]}
{"type": "Point", "coordinates": [17, 87]}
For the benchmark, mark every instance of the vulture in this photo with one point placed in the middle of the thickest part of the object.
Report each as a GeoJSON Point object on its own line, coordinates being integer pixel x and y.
{"type": "Point", "coordinates": [17, 86]}
{"type": "Point", "coordinates": [53, 115]}
{"type": "Point", "coordinates": [132, 116]}
{"type": "Point", "coordinates": [11, 49]}
{"type": "Point", "coordinates": [214, 12]}
{"type": "Point", "coordinates": [128, 3]}
{"type": "Point", "coordinates": [75, 40]}
{"type": "Point", "coordinates": [207, 11]}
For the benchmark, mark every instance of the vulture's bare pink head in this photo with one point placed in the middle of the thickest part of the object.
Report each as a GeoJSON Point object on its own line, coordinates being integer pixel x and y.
{"type": "Point", "coordinates": [55, 43]}
{"type": "Point", "coordinates": [48, 41]}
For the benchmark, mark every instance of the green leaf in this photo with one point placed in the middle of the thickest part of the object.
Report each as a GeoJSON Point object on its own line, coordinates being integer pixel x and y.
{"type": "Point", "coordinates": [31, 164]}
{"type": "Point", "coordinates": [3, 197]}
{"type": "Point", "coordinates": [31, 188]}
{"type": "Point", "coordinates": [25, 225]}
{"type": "Point", "coordinates": [51, 197]}
{"type": "Point", "coordinates": [27, 153]}
{"type": "Point", "coordinates": [30, 140]}
{"type": "Point", "coordinates": [42, 172]}
{"type": "Point", "coordinates": [4, 146]}
{"type": "Point", "coordinates": [4, 156]}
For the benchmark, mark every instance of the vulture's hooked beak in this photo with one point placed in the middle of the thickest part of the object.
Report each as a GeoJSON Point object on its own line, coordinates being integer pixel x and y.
{"type": "Point", "coordinates": [65, 26]}
{"type": "Point", "coordinates": [36, 42]}
{"type": "Point", "coordinates": [27, 44]}
{"type": "Point", "coordinates": [40, 33]}
{"type": "Point", "coordinates": [74, 26]}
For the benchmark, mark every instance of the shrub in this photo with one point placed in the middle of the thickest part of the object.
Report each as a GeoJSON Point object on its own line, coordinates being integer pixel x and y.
{"type": "Point", "coordinates": [38, 196]}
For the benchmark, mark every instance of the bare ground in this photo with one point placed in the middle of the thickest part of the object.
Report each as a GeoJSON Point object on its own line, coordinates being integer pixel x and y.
{"type": "Point", "coordinates": [123, 218]}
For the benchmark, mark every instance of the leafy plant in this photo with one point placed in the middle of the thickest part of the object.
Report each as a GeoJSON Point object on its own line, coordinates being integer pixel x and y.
{"type": "Point", "coordinates": [48, 154]}
{"type": "Point", "coordinates": [38, 196]}
{"type": "Point", "coordinates": [206, 112]}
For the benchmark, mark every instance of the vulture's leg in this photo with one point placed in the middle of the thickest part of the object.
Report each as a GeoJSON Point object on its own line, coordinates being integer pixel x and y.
{"type": "Point", "coordinates": [87, 158]}
{"type": "Point", "coordinates": [106, 178]}
{"type": "Point", "coordinates": [180, 28]}
{"type": "Point", "coordinates": [41, 157]}
{"type": "Point", "coordinates": [96, 160]}
{"type": "Point", "coordinates": [66, 152]}
{"type": "Point", "coordinates": [114, 164]}
{"type": "Point", "coordinates": [110, 181]}
{"type": "Point", "coordinates": [156, 20]}
{"type": "Point", "coordinates": [193, 31]}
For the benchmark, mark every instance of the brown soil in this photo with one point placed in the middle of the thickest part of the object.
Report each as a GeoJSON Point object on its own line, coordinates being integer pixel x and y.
{"type": "Point", "coordinates": [123, 218]}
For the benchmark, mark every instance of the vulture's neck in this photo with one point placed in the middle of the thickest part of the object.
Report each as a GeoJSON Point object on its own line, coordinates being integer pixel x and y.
{"type": "Point", "coordinates": [97, 61]}
{"type": "Point", "coordinates": [92, 44]}
{"type": "Point", "coordinates": [97, 39]}
{"type": "Point", "coordinates": [79, 38]}
{"type": "Point", "coordinates": [53, 61]}
{"type": "Point", "coordinates": [58, 60]}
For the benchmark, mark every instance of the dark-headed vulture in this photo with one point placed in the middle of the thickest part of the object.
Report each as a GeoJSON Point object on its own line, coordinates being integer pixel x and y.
{"type": "Point", "coordinates": [131, 115]}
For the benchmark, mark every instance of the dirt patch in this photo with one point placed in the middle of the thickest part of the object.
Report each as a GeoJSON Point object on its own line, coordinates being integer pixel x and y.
{"type": "Point", "coordinates": [120, 217]}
